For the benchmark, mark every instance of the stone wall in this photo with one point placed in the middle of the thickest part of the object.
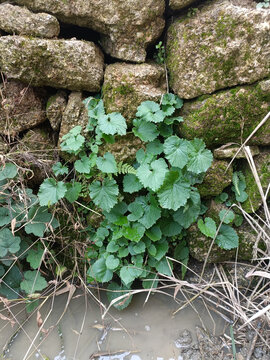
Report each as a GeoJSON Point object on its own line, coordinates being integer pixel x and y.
{"type": "Point", "coordinates": [217, 60]}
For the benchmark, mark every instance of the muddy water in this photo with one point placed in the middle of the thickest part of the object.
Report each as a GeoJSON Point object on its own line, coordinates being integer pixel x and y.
{"type": "Point", "coordinates": [142, 331]}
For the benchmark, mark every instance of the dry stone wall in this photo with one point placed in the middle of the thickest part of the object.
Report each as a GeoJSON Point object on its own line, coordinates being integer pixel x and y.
{"type": "Point", "coordinates": [217, 59]}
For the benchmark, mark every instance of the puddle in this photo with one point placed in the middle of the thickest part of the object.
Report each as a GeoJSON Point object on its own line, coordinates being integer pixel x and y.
{"type": "Point", "coordinates": [142, 331]}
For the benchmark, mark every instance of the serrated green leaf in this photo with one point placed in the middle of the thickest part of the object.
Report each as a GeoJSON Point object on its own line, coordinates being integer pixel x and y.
{"type": "Point", "coordinates": [154, 233]}
{"type": "Point", "coordinates": [73, 191]}
{"type": "Point", "coordinates": [10, 283]}
{"type": "Point", "coordinates": [200, 159]}
{"type": "Point", "coordinates": [152, 211]}
{"type": "Point", "coordinates": [150, 112]}
{"type": "Point", "coordinates": [239, 186]}
{"type": "Point", "coordinates": [113, 123]}
{"type": "Point", "coordinates": [134, 233]}
{"type": "Point", "coordinates": [117, 291]}
{"type": "Point", "coordinates": [227, 238]}
{"type": "Point", "coordinates": [73, 141]}
{"type": "Point", "coordinates": [39, 218]}
{"type": "Point", "coordinates": [112, 247]}
{"type": "Point", "coordinates": [112, 262]}
{"type": "Point", "coordinates": [181, 252]}
{"type": "Point", "coordinates": [59, 169]}
{"type": "Point", "coordinates": [99, 272]}
{"type": "Point", "coordinates": [162, 249]}
{"type": "Point", "coordinates": [104, 194]}
{"type": "Point", "coordinates": [83, 165]}
{"type": "Point", "coordinates": [123, 252]}
{"type": "Point", "coordinates": [155, 147]}
{"type": "Point", "coordinates": [144, 130]}
{"type": "Point", "coordinates": [165, 130]}
{"type": "Point", "coordinates": [169, 227]}
{"type": "Point", "coordinates": [238, 220]}
{"type": "Point", "coordinates": [33, 282]}
{"type": "Point", "coordinates": [51, 191]}
{"type": "Point", "coordinates": [226, 216]}
{"type": "Point", "coordinates": [152, 250]}
{"type": "Point", "coordinates": [116, 215]}
{"type": "Point", "coordinates": [188, 214]}
{"type": "Point", "coordinates": [176, 151]}
{"type": "Point", "coordinates": [5, 216]}
{"type": "Point", "coordinates": [139, 248]}
{"type": "Point", "coordinates": [152, 175]}
{"type": "Point", "coordinates": [8, 171]}
{"type": "Point", "coordinates": [131, 184]}
{"type": "Point", "coordinates": [208, 227]}
{"type": "Point", "coordinates": [107, 163]}
{"type": "Point", "coordinates": [136, 211]}
{"type": "Point", "coordinates": [175, 191]}
{"type": "Point", "coordinates": [8, 242]}
{"type": "Point", "coordinates": [34, 257]}
{"type": "Point", "coordinates": [164, 267]}
{"type": "Point", "coordinates": [129, 273]}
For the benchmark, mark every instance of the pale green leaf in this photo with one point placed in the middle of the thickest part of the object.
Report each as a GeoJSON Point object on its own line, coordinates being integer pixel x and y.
{"type": "Point", "coordinates": [227, 238]}
{"type": "Point", "coordinates": [116, 291]}
{"type": "Point", "coordinates": [226, 216]}
{"type": "Point", "coordinates": [131, 183]}
{"type": "Point", "coordinates": [59, 169]}
{"type": "Point", "coordinates": [144, 130]}
{"type": "Point", "coordinates": [208, 227]}
{"type": "Point", "coordinates": [112, 262]}
{"type": "Point", "coordinates": [83, 165]}
{"type": "Point", "coordinates": [107, 163]}
{"type": "Point", "coordinates": [99, 271]}
{"type": "Point", "coordinates": [33, 282]}
{"type": "Point", "coordinates": [154, 233]}
{"type": "Point", "coordinates": [73, 191]}
{"type": "Point", "coordinates": [51, 191]}
{"type": "Point", "coordinates": [5, 216]}
{"type": "Point", "coordinates": [8, 242]}
{"type": "Point", "coordinates": [34, 257]}
{"type": "Point", "coordinates": [200, 159]}
{"type": "Point", "coordinates": [8, 171]}
{"type": "Point", "coordinates": [104, 194]}
{"type": "Point", "coordinates": [164, 267]}
{"type": "Point", "coordinates": [150, 111]}
{"type": "Point", "coordinates": [175, 191]}
{"type": "Point", "coordinates": [113, 123]}
{"type": "Point", "coordinates": [129, 273]}
{"type": "Point", "coordinates": [176, 151]}
{"type": "Point", "coordinates": [188, 214]}
{"type": "Point", "coordinates": [152, 175]}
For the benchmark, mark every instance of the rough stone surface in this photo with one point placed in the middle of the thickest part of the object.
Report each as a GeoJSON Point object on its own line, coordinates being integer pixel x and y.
{"type": "Point", "coordinates": [127, 26]}
{"type": "Point", "coordinates": [21, 21]}
{"type": "Point", "coordinates": [262, 163]}
{"type": "Point", "coordinates": [221, 46]}
{"type": "Point", "coordinates": [69, 64]}
{"type": "Point", "coordinates": [229, 116]}
{"type": "Point", "coordinates": [127, 85]}
{"type": "Point", "coordinates": [216, 179]}
{"type": "Point", "coordinates": [74, 114]}
{"type": "Point", "coordinates": [199, 245]}
{"type": "Point", "coordinates": [55, 108]}
{"type": "Point", "coordinates": [36, 152]}
{"type": "Point", "coordinates": [124, 149]}
{"type": "Point", "coordinates": [180, 4]}
{"type": "Point", "coordinates": [230, 151]}
{"type": "Point", "coordinates": [22, 107]}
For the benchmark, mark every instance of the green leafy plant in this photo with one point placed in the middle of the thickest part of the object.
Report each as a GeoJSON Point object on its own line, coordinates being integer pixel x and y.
{"type": "Point", "coordinates": [22, 221]}
{"type": "Point", "coordinates": [137, 231]}
{"type": "Point", "coordinates": [159, 56]}
{"type": "Point", "coordinates": [263, 4]}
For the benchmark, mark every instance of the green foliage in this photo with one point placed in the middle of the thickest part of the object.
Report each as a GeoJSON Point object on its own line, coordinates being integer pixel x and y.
{"type": "Point", "coordinates": [239, 186]}
{"type": "Point", "coordinates": [263, 4]}
{"type": "Point", "coordinates": [22, 221]}
{"type": "Point", "coordinates": [160, 54]}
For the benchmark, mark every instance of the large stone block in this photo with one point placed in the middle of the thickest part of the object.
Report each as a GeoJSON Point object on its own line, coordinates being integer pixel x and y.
{"type": "Point", "coordinates": [127, 85]}
{"type": "Point", "coordinates": [220, 46]}
{"type": "Point", "coordinates": [21, 21]}
{"type": "Point", "coordinates": [127, 26]}
{"type": "Point", "coordinates": [69, 64]}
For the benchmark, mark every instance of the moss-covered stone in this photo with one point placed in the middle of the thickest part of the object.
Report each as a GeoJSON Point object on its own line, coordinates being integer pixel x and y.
{"type": "Point", "coordinates": [70, 64]}
{"type": "Point", "coordinates": [180, 4]}
{"type": "Point", "coordinates": [200, 244]}
{"type": "Point", "coordinates": [127, 85]}
{"type": "Point", "coordinates": [124, 149]}
{"type": "Point", "coordinates": [262, 163]}
{"type": "Point", "coordinates": [217, 178]}
{"type": "Point", "coordinates": [221, 46]}
{"type": "Point", "coordinates": [229, 116]}
{"type": "Point", "coordinates": [21, 107]}
{"type": "Point", "coordinates": [21, 21]}
{"type": "Point", "coordinates": [127, 27]}
{"type": "Point", "coordinates": [75, 114]}
{"type": "Point", "coordinates": [55, 108]}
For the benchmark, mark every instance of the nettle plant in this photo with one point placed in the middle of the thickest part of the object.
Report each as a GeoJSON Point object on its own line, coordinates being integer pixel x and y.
{"type": "Point", "coordinates": [146, 206]}
{"type": "Point", "coordinates": [23, 222]}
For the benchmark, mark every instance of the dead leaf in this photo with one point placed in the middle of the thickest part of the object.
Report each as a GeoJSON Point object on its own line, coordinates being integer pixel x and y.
{"type": "Point", "coordinates": [39, 319]}
{"type": "Point", "coordinates": [5, 318]}
{"type": "Point", "coordinates": [13, 224]}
